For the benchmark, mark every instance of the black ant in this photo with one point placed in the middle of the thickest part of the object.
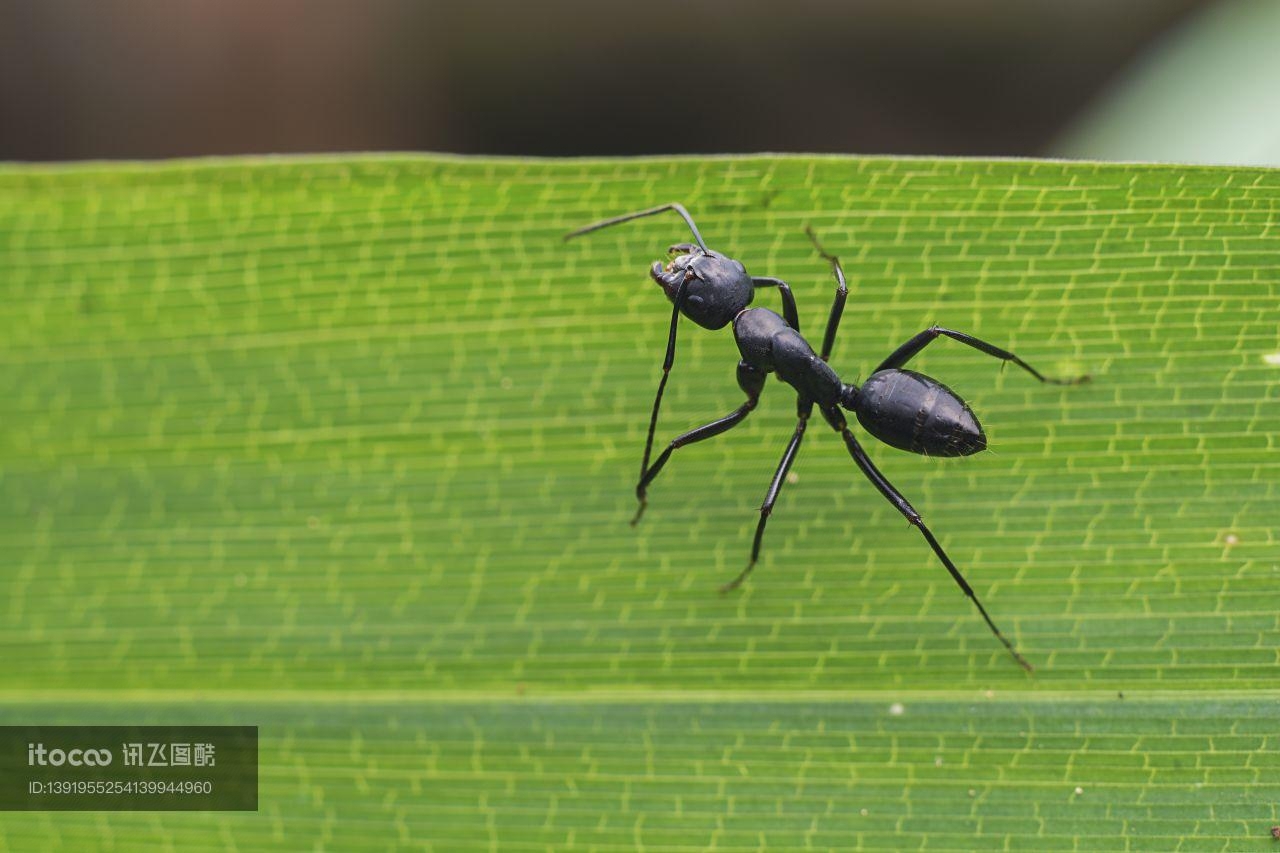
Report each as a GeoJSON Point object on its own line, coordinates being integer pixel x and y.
{"type": "Point", "coordinates": [902, 408]}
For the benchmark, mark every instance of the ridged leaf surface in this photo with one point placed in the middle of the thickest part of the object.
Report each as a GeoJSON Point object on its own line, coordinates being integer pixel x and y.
{"type": "Point", "coordinates": [346, 448]}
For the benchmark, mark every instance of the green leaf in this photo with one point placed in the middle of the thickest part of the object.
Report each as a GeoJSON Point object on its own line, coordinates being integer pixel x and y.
{"type": "Point", "coordinates": [345, 448]}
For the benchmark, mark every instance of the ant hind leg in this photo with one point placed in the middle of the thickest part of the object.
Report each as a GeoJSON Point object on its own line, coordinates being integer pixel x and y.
{"type": "Point", "coordinates": [891, 494]}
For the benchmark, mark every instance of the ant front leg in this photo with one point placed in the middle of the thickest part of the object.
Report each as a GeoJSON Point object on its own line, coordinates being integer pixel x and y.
{"type": "Point", "coordinates": [842, 293]}
{"type": "Point", "coordinates": [667, 362]}
{"type": "Point", "coordinates": [911, 348]}
{"type": "Point", "coordinates": [803, 409]}
{"type": "Point", "coordinates": [789, 312]}
{"type": "Point", "coordinates": [751, 381]}
{"type": "Point", "coordinates": [891, 494]}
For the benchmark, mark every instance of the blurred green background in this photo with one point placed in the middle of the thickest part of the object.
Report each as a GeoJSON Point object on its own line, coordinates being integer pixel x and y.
{"type": "Point", "coordinates": [1171, 80]}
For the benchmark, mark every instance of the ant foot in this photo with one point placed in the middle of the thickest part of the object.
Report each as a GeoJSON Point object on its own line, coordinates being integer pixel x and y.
{"type": "Point", "coordinates": [737, 582]}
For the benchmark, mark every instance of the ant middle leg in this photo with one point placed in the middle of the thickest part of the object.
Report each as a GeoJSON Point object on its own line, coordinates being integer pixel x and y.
{"type": "Point", "coordinates": [803, 409]}
{"type": "Point", "coordinates": [751, 381]}
{"type": "Point", "coordinates": [911, 348]}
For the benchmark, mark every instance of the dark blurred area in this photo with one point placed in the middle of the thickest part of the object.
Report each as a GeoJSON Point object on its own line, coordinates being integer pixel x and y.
{"type": "Point", "coordinates": [166, 78]}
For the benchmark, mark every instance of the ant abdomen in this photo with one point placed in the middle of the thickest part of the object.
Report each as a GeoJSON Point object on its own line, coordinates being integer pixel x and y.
{"type": "Point", "coordinates": [916, 413]}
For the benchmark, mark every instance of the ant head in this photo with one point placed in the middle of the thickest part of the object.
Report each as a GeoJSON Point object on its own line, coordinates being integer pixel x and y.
{"type": "Point", "coordinates": [719, 287]}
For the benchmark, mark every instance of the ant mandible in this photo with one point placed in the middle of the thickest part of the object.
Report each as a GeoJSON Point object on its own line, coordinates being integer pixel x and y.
{"type": "Point", "coordinates": [902, 408]}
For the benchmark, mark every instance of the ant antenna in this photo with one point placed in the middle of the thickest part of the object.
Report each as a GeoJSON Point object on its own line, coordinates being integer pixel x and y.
{"type": "Point", "coordinates": [627, 217]}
